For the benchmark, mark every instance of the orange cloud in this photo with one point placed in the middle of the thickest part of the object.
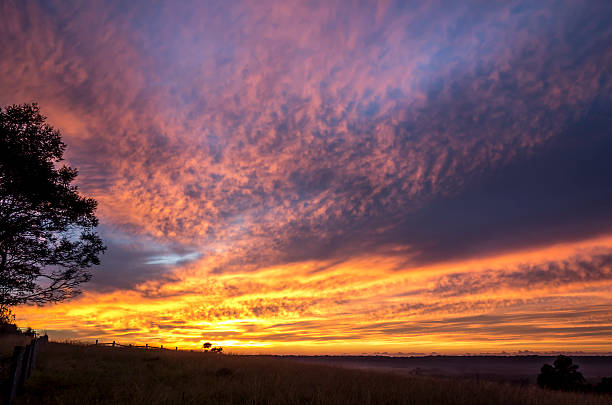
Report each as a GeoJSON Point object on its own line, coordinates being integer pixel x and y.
{"type": "Point", "coordinates": [326, 163]}
{"type": "Point", "coordinates": [362, 304]}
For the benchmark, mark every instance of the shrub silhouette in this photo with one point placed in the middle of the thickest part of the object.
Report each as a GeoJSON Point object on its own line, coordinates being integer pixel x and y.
{"type": "Point", "coordinates": [563, 376]}
{"type": "Point", "coordinates": [605, 386]}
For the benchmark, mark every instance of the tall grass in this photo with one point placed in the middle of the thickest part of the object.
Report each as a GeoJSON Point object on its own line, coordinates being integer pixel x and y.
{"type": "Point", "coordinates": [72, 374]}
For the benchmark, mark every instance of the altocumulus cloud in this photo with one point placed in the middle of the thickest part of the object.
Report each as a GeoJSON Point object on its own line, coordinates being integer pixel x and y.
{"type": "Point", "coordinates": [232, 137]}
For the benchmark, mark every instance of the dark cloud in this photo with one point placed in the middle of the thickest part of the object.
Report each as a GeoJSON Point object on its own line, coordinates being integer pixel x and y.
{"type": "Point", "coordinates": [559, 191]}
{"type": "Point", "coordinates": [593, 268]}
{"type": "Point", "coordinates": [130, 261]}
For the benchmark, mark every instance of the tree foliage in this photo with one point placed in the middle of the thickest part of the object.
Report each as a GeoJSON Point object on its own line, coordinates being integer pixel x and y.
{"type": "Point", "coordinates": [563, 375]}
{"type": "Point", "coordinates": [47, 237]}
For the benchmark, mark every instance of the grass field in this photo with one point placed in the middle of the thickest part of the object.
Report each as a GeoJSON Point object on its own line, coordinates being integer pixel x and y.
{"type": "Point", "coordinates": [74, 374]}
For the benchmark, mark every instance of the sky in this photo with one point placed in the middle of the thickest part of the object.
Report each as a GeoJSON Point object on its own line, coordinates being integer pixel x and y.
{"type": "Point", "coordinates": [331, 177]}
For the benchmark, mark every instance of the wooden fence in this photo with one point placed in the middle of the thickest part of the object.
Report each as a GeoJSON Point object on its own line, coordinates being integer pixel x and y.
{"type": "Point", "coordinates": [22, 366]}
{"type": "Point", "coordinates": [207, 346]}
{"type": "Point", "coordinates": [146, 346]}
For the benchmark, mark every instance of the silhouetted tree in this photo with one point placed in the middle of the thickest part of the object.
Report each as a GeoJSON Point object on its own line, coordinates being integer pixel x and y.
{"type": "Point", "coordinates": [563, 376]}
{"type": "Point", "coordinates": [47, 238]}
{"type": "Point", "coordinates": [207, 346]}
{"type": "Point", "coordinates": [8, 329]}
{"type": "Point", "coordinates": [605, 385]}
{"type": "Point", "coordinates": [6, 316]}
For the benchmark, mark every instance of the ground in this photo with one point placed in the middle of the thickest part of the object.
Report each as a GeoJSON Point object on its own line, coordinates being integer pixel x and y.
{"type": "Point", "coordinates": [76, 374]}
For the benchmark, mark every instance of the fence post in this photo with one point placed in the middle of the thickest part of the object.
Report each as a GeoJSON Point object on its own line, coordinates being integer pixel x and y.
{"type": "Point", "coordinates": [113, 343]}
{"type": "Point", "coordinates": [24, 366]}
{"type": "Point", "coordinates": [16, 365]}
{"type": "Point", "coordinates": [96, 342]}
{"type": "Point", "coordinates": [162, 346]}
{"type": "Point", "coordinates": [32, 360]}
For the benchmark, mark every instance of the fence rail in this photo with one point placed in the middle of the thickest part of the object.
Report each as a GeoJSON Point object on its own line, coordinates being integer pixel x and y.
{"type": "Point", "coordinates": [146, 346]}
{"type": "Point", "coordinates": [207, 346]}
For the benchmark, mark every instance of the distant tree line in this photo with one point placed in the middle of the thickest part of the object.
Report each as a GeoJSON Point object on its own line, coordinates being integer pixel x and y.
{"type": "Point", "coordinates": [564, 375]}
{"type": "Point", "coordinates": [9, 328]}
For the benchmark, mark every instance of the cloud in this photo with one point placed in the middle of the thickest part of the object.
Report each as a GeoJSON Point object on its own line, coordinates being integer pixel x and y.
{"type": "Point", "coordinates": [556, 193]}
{"type": "Point", "coordinates": [542, 300]}
{"type": "Point", "coordinates": [590, 269]}
{"type": "Point", "coordinates": [263, 129]}
{"type": "Point", "coordinates": [130, 261]}
{"type": "Point", "coordinates": [284, 160]}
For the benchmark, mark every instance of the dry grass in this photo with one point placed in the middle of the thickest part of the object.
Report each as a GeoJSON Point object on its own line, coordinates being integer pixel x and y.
{"type": "Point", "coordinates": [72, 374]}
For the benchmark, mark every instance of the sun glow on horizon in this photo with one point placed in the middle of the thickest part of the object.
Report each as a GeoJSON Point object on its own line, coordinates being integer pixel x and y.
{"type": "Point", "coordinates": [386, 309]}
